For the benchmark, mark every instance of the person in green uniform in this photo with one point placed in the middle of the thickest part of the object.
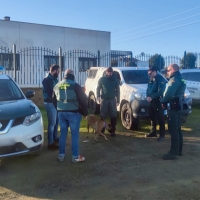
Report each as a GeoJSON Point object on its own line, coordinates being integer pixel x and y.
{"type": "Point", "coordinates": [155, 90]}
{"type": "Point", "coordinates": [172, 100]}
{"type": "Point", "coordinates": [109, 98]}
{"type": "Point", "coordinates": [71, 104]}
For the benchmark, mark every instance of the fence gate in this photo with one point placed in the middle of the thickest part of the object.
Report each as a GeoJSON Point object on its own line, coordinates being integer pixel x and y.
{"type": "Point", "coordinates": [29, 66]}
{"type": "Point", "coordinates": [79, 61]}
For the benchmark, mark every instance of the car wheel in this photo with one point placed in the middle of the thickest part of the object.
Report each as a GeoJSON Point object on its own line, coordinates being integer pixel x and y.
{"type": "Point", "coordinates": [127, 119]}
{"type": "Point", "coordinates": [93, 106]}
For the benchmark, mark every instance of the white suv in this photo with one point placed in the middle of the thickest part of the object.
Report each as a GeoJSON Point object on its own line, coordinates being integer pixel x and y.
{"type": "Point", "coordinates": [133, 85]}
{"type": "Point", "coordinates": [192, 79]}
{"type": "Point", "coordinates": [21, 124]}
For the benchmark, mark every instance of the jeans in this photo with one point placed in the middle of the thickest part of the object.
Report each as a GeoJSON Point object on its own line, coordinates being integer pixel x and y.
{"type": "Point", "coordinates": [52, 122]}
{"type": "Point", "coordinates": [72, 120]}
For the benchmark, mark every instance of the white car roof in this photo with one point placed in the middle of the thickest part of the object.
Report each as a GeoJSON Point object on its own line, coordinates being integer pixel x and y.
{"type": "Point", "coordinates": [122, 68]}
{"type": "Point", "coordinates": [190, 70]}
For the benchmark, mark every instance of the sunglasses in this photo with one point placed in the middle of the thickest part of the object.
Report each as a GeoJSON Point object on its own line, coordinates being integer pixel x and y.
{"type": "Point", "coordinates": [169, 70]}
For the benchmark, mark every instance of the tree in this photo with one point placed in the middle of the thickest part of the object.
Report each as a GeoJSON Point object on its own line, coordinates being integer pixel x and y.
{"type": "Point", "coordinates": [157, 61]}
{"type": "Point", "coordinates": [188, 61]}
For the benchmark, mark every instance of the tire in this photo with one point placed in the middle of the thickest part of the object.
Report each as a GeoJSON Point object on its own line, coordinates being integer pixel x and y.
{"type": "Point", "coordinates": [127, 119]}
{"type": "Point", "coordinates": [93, 106]}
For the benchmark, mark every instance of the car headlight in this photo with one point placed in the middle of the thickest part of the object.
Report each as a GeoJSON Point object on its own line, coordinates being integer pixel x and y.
{"type": "Point", "coordinates": [31, 118]}
{"type": "Point", "coordinates": [140, 96]}
{"type": "Point", "coordinates": [187, 94]}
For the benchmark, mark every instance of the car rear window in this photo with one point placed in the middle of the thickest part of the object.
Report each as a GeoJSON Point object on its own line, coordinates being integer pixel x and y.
{"type": "Point", "coordinates": [92, 73]}
{"type": "Point", "coordinates": [135, 76]}
{"type": "Point", "coordinates": [193, 76]}
{"type": "Point", "coordinates": [9, 90]}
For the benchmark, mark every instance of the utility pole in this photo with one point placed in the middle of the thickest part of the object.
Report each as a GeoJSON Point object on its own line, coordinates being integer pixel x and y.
{"type": "Point", "coordinates": [184, 59]}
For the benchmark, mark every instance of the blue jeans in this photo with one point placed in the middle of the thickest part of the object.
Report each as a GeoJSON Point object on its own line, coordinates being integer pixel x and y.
{"type": "Point", "coordinates": [72, 120]}
{"type": "Point", "coordinates": [52, 122]}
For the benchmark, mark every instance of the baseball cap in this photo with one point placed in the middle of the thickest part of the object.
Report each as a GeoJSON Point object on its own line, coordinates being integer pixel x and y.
{"type": "Point", "coordinates": [109, 69]}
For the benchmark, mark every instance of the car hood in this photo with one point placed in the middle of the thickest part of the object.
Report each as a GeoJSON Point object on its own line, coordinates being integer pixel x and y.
{"type": "Point", "coordinates": [136, 87]}
{"type": "Point", "coordinates": [15, 109]}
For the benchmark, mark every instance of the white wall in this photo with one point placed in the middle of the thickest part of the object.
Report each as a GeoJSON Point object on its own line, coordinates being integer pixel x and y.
{"type": "Point", "coordinates": [52, 37]}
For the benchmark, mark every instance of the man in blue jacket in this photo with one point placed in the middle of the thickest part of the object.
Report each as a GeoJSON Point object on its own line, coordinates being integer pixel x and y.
{"type": "Point", "coordinates": [50, 105]}
{"type": "Point", "coordinates": [155, 90]}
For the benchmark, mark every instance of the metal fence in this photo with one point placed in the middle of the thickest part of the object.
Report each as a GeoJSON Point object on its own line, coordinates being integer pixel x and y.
{"type": "Point", "coordinates": [168, 59]}
{"type": "Point", "coordinates": [29, 66]}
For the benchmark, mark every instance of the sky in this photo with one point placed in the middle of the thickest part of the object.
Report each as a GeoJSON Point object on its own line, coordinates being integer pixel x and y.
{"type": "Point", "coordinates": [166, 27]}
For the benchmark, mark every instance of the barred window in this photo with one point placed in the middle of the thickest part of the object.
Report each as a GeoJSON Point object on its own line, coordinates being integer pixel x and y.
{"type": "Point", "coordinates": [50, 60]}
{"type": "Point", "coordinates": [6, 60]}
{"type": "Point", "coordinates": [86, 63]}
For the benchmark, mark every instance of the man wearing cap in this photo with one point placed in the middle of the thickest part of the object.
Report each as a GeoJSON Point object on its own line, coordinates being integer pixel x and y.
{"type": "Point", "coordinates": [71, 104]}
{"type": "Point", "coordinates": [173, 96]}
{"type": "Point", "coordinates": [155, 90]}
{"type": "Point", "coordinates": [109, 98]}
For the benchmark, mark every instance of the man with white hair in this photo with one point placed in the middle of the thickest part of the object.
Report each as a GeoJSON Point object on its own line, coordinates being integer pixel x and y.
{"type": "Point", "coordinates": [71, 104]}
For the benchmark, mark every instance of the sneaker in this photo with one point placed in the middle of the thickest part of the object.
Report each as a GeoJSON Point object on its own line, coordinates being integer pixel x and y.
{"type": "Point", "coordinates": [151, 135]}
{"type": "Point", "coordinates": [160, 139]}
{"type": "Point", "coordinates": [169, 157]}
{"type": "Point", "coordinates": [79, 159]}
{"type": "Point", "coordinates": [53, 147]}
{"type": "Point", "coordinates": [61, 158]}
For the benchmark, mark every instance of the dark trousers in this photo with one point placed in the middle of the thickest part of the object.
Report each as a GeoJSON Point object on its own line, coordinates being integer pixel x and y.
{"type": "Point", "coordinates": [108, 108]}
{"type": "Point", "coordinates": [156, 114]}
{"type": "Point", "coordinates": [174, 126]}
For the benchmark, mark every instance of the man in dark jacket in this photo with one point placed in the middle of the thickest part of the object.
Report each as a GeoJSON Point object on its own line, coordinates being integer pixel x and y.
{"type": "Point", "coordinates": [50, 105]}
{"type": "Point", "coordinates": [172, 99]}
{"type": "Point", "coordinates": [109, 99]}
{"type": "Point", "coordinates": [155, 90]}
{"type": "Point", "coordinates": [71, 104]}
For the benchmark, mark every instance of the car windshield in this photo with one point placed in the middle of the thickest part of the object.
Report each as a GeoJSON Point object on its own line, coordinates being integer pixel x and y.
{"type": "Point", "coordinates": [135, 76]}
{"type": "Point", "coordinates": [9, 90]}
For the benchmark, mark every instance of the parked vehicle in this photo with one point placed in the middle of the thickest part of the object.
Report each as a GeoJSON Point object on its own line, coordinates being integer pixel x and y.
{"type": "Point", "coordinates": [192, 78]}
{"type": "Point", "coordinates": [21, 124]}
{"type": "Point", "coordinates": [133, 85]}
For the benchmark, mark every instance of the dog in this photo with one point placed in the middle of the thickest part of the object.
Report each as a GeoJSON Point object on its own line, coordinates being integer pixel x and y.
{"type": "Point", "coordinates": [98, 126]}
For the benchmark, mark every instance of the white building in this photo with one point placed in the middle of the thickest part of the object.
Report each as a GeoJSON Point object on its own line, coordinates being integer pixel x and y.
{"type": "Point", "coordinates": [38, 46]}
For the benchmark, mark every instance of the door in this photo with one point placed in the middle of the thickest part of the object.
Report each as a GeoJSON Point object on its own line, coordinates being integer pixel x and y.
{"type": "Point", "coordinates": [193, 84]}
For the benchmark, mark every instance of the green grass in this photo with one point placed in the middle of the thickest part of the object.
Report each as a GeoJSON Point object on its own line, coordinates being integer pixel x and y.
{"type": "Point", "coordinates": [190, 125]}
{"type": "Point", "coordinates": [144, 126]}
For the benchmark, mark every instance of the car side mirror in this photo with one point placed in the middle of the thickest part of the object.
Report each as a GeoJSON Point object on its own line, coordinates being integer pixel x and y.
{"type": "Point", "coordinates": [29, 94]}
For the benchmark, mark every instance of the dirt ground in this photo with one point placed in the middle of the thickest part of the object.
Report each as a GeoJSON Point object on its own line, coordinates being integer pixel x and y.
{"type": "Point", "coordinates": [125, 167]}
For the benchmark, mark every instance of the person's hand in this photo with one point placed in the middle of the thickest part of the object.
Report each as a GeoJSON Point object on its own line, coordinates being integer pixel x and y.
{"type": "Point", "coordinates": [163, 106]}
{"type": "Point", "coordinates": [149, 99]}
{"type": "Point", "coordinates": [117, 104]}
{"type": "Point", "coordinates": [98, 99]}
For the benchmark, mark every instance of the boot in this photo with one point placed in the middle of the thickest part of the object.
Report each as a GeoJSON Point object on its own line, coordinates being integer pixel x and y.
{"type": "Point", "coordinates": [153, 130]}
{"type": "Point", "coordinates": [113, 124]}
